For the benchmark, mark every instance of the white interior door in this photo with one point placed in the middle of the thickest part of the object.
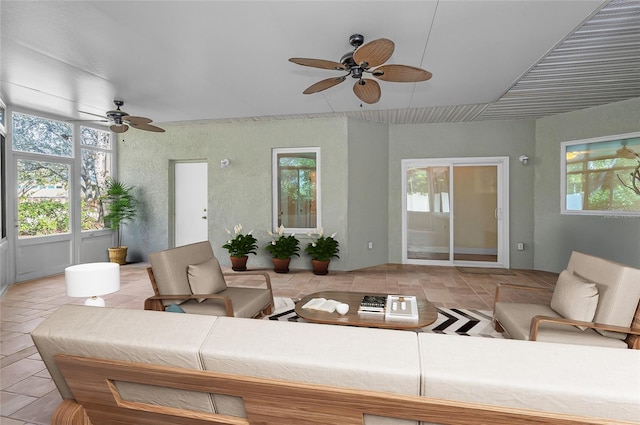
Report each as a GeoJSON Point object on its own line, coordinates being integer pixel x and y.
{"type": "Point", "coordinates": [190, 202]}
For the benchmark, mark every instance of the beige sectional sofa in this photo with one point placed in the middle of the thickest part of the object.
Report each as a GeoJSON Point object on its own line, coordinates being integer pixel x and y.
{"type": "Point", "coordinates": [147, 367]}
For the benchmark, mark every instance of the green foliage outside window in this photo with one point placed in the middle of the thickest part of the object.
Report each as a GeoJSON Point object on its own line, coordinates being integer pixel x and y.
{"type": "Point", "coordinates": [42, 218]}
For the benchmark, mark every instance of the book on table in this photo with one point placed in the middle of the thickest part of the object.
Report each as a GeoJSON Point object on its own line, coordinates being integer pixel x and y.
{"type": "Point", "coordinates": [322, 304]}
{"type": "Point", "coordinates": [373, 304]}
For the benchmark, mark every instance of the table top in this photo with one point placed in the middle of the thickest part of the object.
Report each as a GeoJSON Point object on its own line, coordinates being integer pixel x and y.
{"type": "Point", "coordinates": [427, 312]}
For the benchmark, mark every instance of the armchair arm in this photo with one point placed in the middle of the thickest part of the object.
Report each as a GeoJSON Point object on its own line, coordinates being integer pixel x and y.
{"type": "Point", "coordinates": [266, 276]}
{"type": "Point", "coordinates": [537, 320]}
{"type": "Point", "coordinates": [228, 306]}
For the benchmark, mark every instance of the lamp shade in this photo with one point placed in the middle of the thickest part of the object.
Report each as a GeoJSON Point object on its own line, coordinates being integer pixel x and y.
{"type": "Point", "coordinates": [92, 279]}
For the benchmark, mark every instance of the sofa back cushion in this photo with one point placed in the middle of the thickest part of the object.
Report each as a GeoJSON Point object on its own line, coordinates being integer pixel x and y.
{"type": "Point", "coordinates": [618, 288]}
{"type": "Point", "coordinates": [344, 356]}
{"type": "Point", "coordinates": [559, 378]}
{"type": "Point", "coordinates": [151, 337]}
{"type": "Point", "coordinates": [170, 267]}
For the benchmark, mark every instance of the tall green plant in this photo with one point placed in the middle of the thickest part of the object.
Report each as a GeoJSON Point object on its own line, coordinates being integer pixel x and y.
{"type": "Point", "coordinates": [121, 205]}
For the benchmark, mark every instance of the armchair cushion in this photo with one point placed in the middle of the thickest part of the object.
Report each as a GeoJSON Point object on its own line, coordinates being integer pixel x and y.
{"type": "Point", "coordinates": [246, 302]}
{"type": "Point", "coordinates": [575, 298]}
{"type": "Point", "coordinates": [516, 320]}
{"type": "Point", "coordinates": [618, 286]}
{"type": "Point", "coordinates": [170, 268]}
{"type": "Point", "coordinates": [206, 278]}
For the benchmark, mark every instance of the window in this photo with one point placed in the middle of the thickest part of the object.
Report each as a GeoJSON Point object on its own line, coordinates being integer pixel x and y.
{"type": "Point", "coordinates": [601, 176]}
{"type": "Point", "coordinates": [42, 136]}
{"type": "Point", "coordinates": [43, 198]}
{"type": "Point", "coordinates": [45, 157]}
{"type": "Point", "coordinates": [95, 167]}
{"type": "Point", "coordinates": [296, 189]}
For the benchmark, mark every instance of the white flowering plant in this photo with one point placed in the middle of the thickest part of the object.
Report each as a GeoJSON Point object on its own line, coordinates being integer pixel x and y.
{"type": "Point", "coordinates": [240, 245]}
{"type": "Point", "coordinates": [322, 247]}
{"type": "Point", "coordinates": [282, 246]}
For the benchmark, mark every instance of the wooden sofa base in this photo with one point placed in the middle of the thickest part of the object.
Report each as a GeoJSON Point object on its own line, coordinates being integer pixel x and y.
{"type": "Point", "coordinates": [266, 401]}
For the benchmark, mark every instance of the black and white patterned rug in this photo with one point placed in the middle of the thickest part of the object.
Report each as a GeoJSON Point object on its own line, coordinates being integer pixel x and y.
{"type": "Point", "coordinates": [451, 321]}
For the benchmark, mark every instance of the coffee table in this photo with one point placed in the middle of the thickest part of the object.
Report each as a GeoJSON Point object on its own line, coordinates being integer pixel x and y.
{"type": "Point", "coordinates": [427, 312]}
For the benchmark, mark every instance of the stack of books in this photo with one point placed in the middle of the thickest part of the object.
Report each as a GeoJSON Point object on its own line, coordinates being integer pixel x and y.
{"type": "Point", "coordinates": [373, 304]}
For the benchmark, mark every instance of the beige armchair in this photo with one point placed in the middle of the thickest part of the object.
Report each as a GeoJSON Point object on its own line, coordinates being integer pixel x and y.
{"type": "Point", "coordinates": [595, 302]}
{"type": "Point", "coordinates": [190, 276]}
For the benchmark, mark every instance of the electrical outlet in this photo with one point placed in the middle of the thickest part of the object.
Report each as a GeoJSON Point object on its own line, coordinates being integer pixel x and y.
{"type": "Point", "coordinates": [370, 245]}
{"type": "Point", "coordinates": [520, 246]}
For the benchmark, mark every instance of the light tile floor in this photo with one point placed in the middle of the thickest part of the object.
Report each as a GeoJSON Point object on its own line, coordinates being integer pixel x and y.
{"type": "Point", "coordinates": [28, 395]}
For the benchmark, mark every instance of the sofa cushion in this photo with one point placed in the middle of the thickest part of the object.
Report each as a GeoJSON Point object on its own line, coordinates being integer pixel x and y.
{"type": "Point", "coordinates": [152, 337]}
{"type": "Point", "coordinates": [206, 278]}
{"type": "Point", "coordinates": [170, 267]}
{"type": "Point", "coordinates": [576, 380]}
{"type": "Point", "coordinates": [575, 298]}
{"type": "Point", "coordinates": [363, 358]}
{"type": "Point", "coordinates": [618, 288]}
{"type": "Point", "coordinates": [515, 318]}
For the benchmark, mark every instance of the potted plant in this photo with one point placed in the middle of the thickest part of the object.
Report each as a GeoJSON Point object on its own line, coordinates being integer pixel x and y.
{"type": "Point", "coordinates": [282, 249]}
{"type": "Point", "coordinates": [322, 249]}
{"type": "Point", "coordinates": [121, 207]}
{"type": "Point", "coordinates": [239, 247]}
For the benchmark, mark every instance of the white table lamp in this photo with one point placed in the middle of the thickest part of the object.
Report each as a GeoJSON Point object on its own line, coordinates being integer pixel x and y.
{"type": "Point", "coordinates": [92, 280]}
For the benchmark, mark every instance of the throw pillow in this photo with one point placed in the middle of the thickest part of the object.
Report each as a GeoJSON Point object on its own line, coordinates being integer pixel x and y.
{"type": "Point", "coordinates": [206, 278]}
{"type": "Point", "coordinates": [174, 308]}
{"type": "Point", "coordinates": [575, 298]}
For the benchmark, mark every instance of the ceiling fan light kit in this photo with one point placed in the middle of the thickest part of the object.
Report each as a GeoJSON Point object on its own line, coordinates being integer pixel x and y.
{"type": "Point", "coordinates": [359, 62]}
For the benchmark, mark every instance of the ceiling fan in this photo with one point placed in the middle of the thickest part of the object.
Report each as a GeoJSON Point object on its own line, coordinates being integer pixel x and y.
{"type": "Point", "coordinates": [364, 59]}
{"type": "Point", "coordinates": [122, 120]}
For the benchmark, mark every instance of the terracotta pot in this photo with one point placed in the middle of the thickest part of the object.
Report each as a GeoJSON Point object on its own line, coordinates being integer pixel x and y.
{"type": "Point", "coordinates": [118, 255]}
{"type": "Point", "coordinates": [320, 267]}
{"type": "Point", "coordinates": [281, 265]}
{"type": "Point", "coordinates": [239, 264]}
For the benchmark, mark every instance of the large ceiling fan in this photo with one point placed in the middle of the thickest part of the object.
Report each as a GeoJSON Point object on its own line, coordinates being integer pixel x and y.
{"type": "Point", "coordinates": [122, 120]}
{"type": "Point", "coordinates": [365, 59]}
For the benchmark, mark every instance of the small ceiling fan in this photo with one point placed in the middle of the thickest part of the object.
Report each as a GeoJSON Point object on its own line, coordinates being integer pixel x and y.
{"type": "Point", "coordinates": [364, 59]}
{"type": "Point", "coordinates": [122, 120]}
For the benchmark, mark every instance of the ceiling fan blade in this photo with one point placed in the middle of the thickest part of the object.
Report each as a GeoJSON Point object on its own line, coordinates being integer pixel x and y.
{"type": "Point", "coordinates": [95, 115]}
{"type": "Point", "coordinates": [119, 128]}
{"type": "Point", "coordinates": [105, 120]}
{"type": "Point", "coordinates": [318, 63]}
{"type": "Point", "coordinates": [137, 120]}
{"type": "Point", "coordinates": [147, 127]}
{"type": "Point", "coordinates": [401, 73]}
{"type": "Point", "coordinates": [324, 84]}
{"type": "Point", "coordinates": [374, 53]}
{"type": "Point", "coordinates": [367, 90]}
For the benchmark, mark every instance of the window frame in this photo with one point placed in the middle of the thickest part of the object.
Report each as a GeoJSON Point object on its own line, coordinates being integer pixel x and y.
{"type": "Point", "coordinates": [563, 177]}
{"type": "Point", "coordinates": [275, 188]}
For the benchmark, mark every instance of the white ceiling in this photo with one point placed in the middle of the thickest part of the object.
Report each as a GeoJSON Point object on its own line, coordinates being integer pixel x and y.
{"type": "Point", "coordinates": [199, 60]}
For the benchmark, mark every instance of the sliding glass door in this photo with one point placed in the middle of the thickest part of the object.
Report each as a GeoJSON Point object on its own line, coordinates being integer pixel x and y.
{"type": "Point", "coordinates": [454, 211]}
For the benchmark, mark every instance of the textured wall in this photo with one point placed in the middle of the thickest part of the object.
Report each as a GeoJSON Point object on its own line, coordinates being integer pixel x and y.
{"type": "Point", "coordinates": [488, 138]}
{"type": "Point", "coordinates": [240, 193]}
{"type": "Point", "coordinates": [615, 238]}
{"type": "Point", "coordinates": [368, 194]}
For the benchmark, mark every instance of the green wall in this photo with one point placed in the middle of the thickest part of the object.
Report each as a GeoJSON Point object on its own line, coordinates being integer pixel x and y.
{"type": "Point", "coordinates": [477, 139]}
{"type": "Point", "coordinates": [556, 235]}
{"type": "Point", "coordinates": [361, 182]}
{"type": "Point", "coordinates": [368, 194]}
{"type": "Point", "coordinates": [240, 193]}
